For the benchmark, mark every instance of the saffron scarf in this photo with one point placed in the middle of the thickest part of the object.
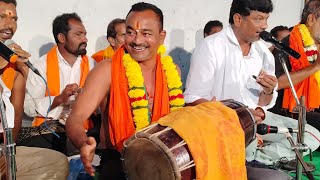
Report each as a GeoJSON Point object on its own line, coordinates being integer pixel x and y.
{"type": "Point", "coordinates": [107, 53]}
{"type": "Point", "coordinates": [309, 86]}
{"type": "Point", "coordinates": [214, 137]}
{"type": "Point", "coordinates": [121, 125]}
{"type": "Point", "coordinates": [9, 75]}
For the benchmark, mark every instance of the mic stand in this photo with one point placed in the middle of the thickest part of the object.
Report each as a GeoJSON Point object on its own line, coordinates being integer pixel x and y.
{"type": "Point", "coordinates": [301, 120]}
{"type": "Point", "coordinates": [296, 149]}
{"type": "Point", "coordinates": [9, 149]}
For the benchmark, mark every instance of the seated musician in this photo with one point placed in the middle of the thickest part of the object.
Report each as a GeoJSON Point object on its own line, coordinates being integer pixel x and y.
{"type": "Point", "coordinates": [138, 85]}
{"type": "Point", "coordinates": [304, 72]}
{"type": "Point", "coordinates": [65, 68]}
{"type": "Point", "coordinates": [54, 165]}
{"type": "Point", "coordinates": [234, 64]}
{"type": "Point", "coordinates": [115, 36]}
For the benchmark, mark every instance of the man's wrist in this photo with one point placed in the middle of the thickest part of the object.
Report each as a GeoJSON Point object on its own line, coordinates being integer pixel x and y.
{"type": "Point", "coordinates": [267, 93]}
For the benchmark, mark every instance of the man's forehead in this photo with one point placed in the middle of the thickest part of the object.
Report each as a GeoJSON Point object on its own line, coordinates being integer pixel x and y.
{"type": "Point", "coordinates": [259, 13]}
{"type": "Point", "coordinates": [120, 27]}
{"type": "Point", "coordinates": [8, 9]}
{"type": "Point", "coordinates": [76, 25]}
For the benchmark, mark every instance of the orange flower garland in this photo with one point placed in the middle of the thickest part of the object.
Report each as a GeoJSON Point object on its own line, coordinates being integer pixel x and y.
{"type": "Point", "coordinates": [137, 92]}
{"type": "Point", "coordinates": [310, 48]}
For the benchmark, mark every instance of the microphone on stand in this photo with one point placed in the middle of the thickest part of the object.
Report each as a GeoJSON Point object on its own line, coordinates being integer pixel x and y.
{"type": "Point", "coordinates": [263, 129]}
{"type": "Point", "coordinates": [6, 53]}
{"type": "Point", "coordinates": [266, 36]}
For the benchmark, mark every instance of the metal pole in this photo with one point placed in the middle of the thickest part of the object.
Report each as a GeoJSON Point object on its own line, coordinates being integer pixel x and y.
{"type": "Point", "coordinates": [301, 119]}
{"type": "Point", "coordinates": [299, 157]}
{"type": "Point", "coordinates": [9, 149]}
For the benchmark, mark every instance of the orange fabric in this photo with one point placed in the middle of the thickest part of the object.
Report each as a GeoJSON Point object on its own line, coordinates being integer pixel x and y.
{"type": "Point", "coordinates": [214, 137]}
{"type": "Point", "coordinates": [53, 79]}
{"type": "Point", "coordinates": [8, 75]}
{"type": "Point", "coordinates": [98, 56]}
{"type": "Point", "coordinates": [103, 54]}
{"type": "Point", "coordinates": [308, 87]}
{"type": "Point", "coordinates": [121, 125]}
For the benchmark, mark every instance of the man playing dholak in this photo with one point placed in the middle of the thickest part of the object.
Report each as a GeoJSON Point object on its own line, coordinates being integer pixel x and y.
{"type": "Point", "coordinates": [115, 35]}
{"type": "Point", "coordinates": [141, 86]}
{"type": "Point", "coordinates": [53, 165]}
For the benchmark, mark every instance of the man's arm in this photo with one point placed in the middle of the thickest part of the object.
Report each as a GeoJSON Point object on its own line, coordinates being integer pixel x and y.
{"type": "Point", "coordinates": [17, 99]}
{"type": "Point", "coordinates": [95, 89]}
{"type": "Point", "coordinates": [200, 80]}
{"type": "Point", "coordinates": [36, 102]}
{"type": "Point", "coordinates": [298, 76]}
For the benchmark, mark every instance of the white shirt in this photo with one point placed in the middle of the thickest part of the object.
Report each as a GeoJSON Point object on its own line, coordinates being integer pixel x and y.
{"type": "Point", "coordinates": [36, 104]}
{"type": "Point", "coordinates": [9, 109]}
{"type": "Point", "coordinates": [218, 68]}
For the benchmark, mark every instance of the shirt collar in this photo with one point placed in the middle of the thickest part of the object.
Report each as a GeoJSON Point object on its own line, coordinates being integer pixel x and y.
{"type": "Point", "coordinates": [61, 59]}
{"type": "Point", "coordinates": [232, 37]}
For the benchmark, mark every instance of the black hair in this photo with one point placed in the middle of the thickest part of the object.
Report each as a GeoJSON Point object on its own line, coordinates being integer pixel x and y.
{"type": "Point", "coordinates": [111, 30]}
{"type": "Point", "coordinates": [277, 29]}
{"type": "Point", "coordinates": [312, 7]}
{"type": "Point", "coordinates": [142, 6]}
{"type": "Point", "coordinates": [211, 24]}
{"type": "Point", "coordinates": [61, 24]}
{"type": "Point", "coordinates": [10, 2]}
{"type": "Point", "coordinates": [244, 7]}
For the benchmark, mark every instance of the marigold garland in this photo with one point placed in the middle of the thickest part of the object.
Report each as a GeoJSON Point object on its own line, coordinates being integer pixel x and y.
{"type": "Point", "coordinates": [137, 92]}
{"type": "Point", "coordinates": [310, 48]}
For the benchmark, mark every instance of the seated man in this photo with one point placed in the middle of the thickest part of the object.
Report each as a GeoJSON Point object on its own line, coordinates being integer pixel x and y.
{"type": "Point", "coordinates": [304, 72]}
{"type": "Point", "coordinates": [65, 68]}
{"type": "Point", "coordinates": [279, 32]}
{"type": "Point", "coordinates": [234, 64]}
{"type": "Point", "coordinates": [115, 36]}
{"type": "Point", "coordinates": [212, 27]}
{"type": "Point", "coordinates": [53, 165]}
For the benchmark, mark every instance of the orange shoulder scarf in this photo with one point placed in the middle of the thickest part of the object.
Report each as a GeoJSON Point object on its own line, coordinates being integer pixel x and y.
{"type": "Point", "coordinates": [103, 54]}
{"type": "Point", "coordinates": [8, 75]}
{"type": "Point", "coordinates": [121, 125]}
{"type": "Point", "coordinates": [309, 86]}
{"type": "Point", "coordinates": [53, 76]}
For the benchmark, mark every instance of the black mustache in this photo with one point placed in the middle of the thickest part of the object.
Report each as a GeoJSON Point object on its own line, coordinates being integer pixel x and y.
{"type": "Point", "coordinates": [82, 44]}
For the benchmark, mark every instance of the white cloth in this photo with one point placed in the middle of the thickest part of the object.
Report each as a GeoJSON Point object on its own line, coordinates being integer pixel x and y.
{"type": "Point", "coordinates": [9, 109]}
{"type": "Point", "coordinates": [36, 104]}
{"type": "Point", "coordinates": [219, 69]}
{"type": "Point", "coordinates": [277, 146]}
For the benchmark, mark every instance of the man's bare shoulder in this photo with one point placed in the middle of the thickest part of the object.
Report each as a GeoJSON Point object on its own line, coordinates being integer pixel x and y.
{"type": "Point", "coordinates": [103, 66]}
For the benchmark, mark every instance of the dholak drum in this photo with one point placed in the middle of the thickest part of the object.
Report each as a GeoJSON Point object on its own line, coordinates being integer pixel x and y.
{"type": "Point", "coordinates": [159, 153]}
{"type": "Point", "coordinates": [245, 117]}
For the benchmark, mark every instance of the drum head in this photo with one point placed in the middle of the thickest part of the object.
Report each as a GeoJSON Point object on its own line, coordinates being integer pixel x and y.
{"type": "Point", "coordinates": [144, 159]}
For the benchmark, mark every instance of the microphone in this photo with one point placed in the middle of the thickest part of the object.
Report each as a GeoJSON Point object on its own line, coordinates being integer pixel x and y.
{"type": "Point", "coordinates": [282, 47]}
{"type": "Point", "coordinates": [263, 129]}
{"type": "Point", "coordinates": [6, 53]}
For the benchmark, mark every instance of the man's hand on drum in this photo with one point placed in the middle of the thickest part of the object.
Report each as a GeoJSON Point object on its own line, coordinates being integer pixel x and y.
{"type": "Point", "coordinates": [69, 90]}
{"type": "Point", "coordinates": [267, 82]}
{"type": "Point", "coordinates": [87, 151]}
{"type": "Point", "coordinates": [258, 115]}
